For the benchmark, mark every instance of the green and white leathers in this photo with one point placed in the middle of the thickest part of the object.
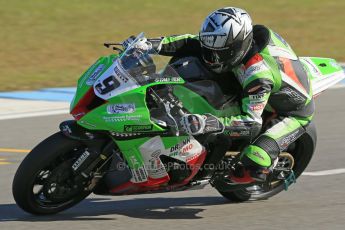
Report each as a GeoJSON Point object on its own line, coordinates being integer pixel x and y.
{"type": "Point", "coordinates": [275, 80]}
{"type": "Point", "coordinates": [272, 79]}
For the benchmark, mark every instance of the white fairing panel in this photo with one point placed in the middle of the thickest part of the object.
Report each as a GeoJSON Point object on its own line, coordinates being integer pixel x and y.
{"type": "Point", "coordinates": [114, 81]}
{"type": "Point", "coordinates": [319, 81]}
{"type": "Point", "coordinates": [327, 81]}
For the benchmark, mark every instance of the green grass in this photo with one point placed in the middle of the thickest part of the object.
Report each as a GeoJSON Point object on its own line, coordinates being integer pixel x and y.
{"type": "Point", "coordinates": [50, 43]}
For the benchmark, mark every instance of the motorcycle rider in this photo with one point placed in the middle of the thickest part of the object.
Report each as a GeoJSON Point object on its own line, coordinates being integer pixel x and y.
{"type": "Point", "coordinates": [272, 79]}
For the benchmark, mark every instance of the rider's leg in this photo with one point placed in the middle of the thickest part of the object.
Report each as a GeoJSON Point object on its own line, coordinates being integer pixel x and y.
{"type": "Point", "coordinates": [259, 156]}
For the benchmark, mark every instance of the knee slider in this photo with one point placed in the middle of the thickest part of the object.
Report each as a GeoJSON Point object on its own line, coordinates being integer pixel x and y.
{"type": "Point", "coordinates": [269, 145]}
{"type": "Point", "coordinates": [254, 156]}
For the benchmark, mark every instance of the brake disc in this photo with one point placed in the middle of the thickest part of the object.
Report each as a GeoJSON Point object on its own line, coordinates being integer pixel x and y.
{"type": "Point", "coordinates": [60, 185]}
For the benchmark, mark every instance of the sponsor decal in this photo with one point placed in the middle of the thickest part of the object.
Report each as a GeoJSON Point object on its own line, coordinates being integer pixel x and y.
{"type": "Point", "coordinates": [257, 154]}
{"type": "Point", "coordinates": [194, 156]}
{"type": "Point", "coordinates": [233, 133]}
{"type": "Point", "coordinates": [293, 95]}
{"type": "Point", "coordinates": [139, 175]}
{"type": "Point", "coordinates": [168, 79]}
{"type": "Point", "coordinates": [289, 139]}
{"type": "Point", "coordinates": [187, 150]}
{"type": "Point", "coordinates": [156, 153]}
{"type": "Point", "coordinates": [121, 108]}
{"type": "Point", "coordinates": [311, 66]}
{"type": "Point", "coordinates": [134, 161]}
{"type": "Point", "coordinates": [119, 74]}
{"type": "Point", "coordinates": [95, 75]}
{"type": "Point", "coordinates": [257, 107]}
{"type": "Point", "coordinates": [257, 97]}
{"type": "Point", "coordinates": [174, 150]}
{"type": "Point", "coordinates": [245, 133]}
{"type": "Point", "coordinates": [254, 69]}
{"type": "Point", "coordinates": [123, 118]}
{"type": "Point", "coordinates": [80, 160]}
{"type": "Point", "coordinates": [137, 128]}
{"type": "Point", "coordinates": [334, 64]}
{"type": "Point", "coordinates": [66, 129]}
{"type": "Point", "coordinates": [236, 133]}
{"type": "Point", "coordinates": [150, 151]}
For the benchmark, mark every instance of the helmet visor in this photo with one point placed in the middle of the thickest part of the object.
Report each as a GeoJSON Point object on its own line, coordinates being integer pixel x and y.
{"type": "Point", "coordinates": [230, 55]}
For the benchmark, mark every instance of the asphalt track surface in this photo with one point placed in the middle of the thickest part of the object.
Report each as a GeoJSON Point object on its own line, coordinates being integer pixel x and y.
{"type": "Point", "coordinates": [315, 202]}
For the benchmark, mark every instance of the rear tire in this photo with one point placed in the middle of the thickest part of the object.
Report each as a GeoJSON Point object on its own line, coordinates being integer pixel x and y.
{"type": "Point", "coordinates": [46, 157]}
{"type": "Point", "coordinates": [302, 153]}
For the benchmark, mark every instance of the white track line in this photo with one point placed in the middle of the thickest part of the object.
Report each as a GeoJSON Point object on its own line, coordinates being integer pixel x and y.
{"type": "Point", "coordinates": [325, 172]}
{"type": "Point", "coordinates": [34, 114]}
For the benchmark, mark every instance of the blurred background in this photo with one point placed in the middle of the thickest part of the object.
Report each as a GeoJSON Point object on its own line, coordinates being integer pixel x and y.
{"type": "Point", "coordinates": [51, 43]}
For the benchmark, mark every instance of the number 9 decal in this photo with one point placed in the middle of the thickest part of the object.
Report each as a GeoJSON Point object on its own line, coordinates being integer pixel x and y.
{"type": "Point", "coordinates": [107, 85]}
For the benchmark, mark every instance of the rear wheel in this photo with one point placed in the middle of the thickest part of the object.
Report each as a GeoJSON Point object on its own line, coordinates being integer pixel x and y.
{"type": "Point", "coordinates": [302, 152]}
{"type": "Point", "coordinates": [45, 182]}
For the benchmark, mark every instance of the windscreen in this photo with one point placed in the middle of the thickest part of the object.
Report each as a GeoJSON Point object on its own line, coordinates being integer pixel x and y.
{"type": "Point", "coordinates": [138, 65]}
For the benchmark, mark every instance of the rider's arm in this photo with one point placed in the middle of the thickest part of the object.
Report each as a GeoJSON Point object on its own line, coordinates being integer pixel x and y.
{"type": "Point", "coordinates": [257, 82]}
{"type": "Point", "coordinates": [177, 45]}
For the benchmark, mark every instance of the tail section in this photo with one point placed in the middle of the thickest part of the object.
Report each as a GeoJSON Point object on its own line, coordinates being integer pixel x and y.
{"type": "Point", "coordinates": [323, 73]}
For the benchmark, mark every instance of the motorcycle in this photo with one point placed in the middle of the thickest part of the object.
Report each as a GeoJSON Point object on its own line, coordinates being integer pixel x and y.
{"type": "Point", "coordinates": [126, 138]}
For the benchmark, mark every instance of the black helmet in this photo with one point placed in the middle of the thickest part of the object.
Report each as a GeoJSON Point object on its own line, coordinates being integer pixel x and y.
{"type": "Point", "coordinates": [226, 37]}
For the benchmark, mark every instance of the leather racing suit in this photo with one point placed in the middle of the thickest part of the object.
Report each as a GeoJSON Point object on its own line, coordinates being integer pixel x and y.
{"type": "Point", "coordinates": [272, 79]}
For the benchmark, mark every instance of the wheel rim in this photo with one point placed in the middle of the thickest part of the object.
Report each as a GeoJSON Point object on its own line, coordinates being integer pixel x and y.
{"type": "Point", "coordinates": [53, 185]}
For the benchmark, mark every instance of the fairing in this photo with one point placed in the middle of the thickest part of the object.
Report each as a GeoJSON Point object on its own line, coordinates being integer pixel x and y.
{"type": "Point", "coordinates": [111, 95]}
{"type": "Point", "coordinates": [323, 72]}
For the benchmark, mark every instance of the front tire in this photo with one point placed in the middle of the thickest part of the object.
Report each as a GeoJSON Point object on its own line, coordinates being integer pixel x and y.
{"type": "Point", "coordinates": [48, 167]}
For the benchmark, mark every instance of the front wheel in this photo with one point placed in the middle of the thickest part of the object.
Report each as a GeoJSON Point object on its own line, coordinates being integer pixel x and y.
{"type": "Point", "coordinates": [302, 152]}
{"type": "Point", "coordinates": [45, 182]}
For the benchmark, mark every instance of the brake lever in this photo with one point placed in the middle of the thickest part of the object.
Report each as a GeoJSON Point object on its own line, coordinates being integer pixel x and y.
{"type": "Point", "coordinates": [113, 45]}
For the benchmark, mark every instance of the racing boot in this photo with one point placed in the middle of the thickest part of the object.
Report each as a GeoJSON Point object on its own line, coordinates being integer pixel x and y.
{"type": "Point", "coordinates": [255, 166]}
{"type": "Point", "coordinates": [247, 175]}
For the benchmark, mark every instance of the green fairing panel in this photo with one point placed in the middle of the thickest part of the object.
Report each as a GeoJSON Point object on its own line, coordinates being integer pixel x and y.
{"type": "Point", "coordinates": [197, 104]}
{"type": "Point", "coordinates": [103, 119]}
{"type": "Point", "coordinates": [326, 65]}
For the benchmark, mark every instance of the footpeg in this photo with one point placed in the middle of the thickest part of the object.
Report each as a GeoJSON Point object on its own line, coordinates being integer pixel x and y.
{"type": "Point", "coordinates": [289, 180]}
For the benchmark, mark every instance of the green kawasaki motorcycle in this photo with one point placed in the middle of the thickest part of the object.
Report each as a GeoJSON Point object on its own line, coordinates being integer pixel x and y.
{"type": "Point", "coordinates": [126, 138]}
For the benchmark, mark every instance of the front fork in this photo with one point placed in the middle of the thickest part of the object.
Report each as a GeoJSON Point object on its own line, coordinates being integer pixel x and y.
{"type": "Point", "coordinates": [99, 149]}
